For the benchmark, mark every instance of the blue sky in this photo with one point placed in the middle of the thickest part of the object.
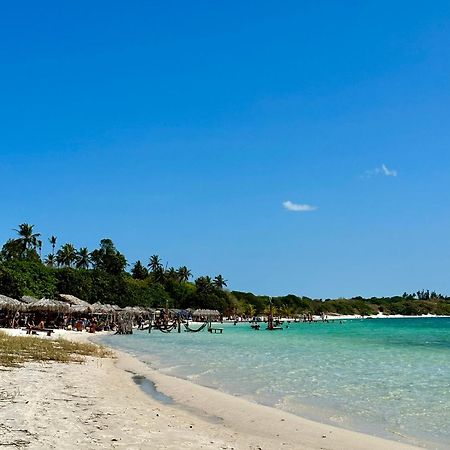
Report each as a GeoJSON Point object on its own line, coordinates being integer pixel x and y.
{"type": "Point", "coordinates": [183, 128]}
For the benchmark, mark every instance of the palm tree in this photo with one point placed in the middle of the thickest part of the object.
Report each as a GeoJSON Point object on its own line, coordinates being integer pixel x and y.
{"type": "Point", "coordinates": [157, 269]}
{"type": "Point", "coordinates": [83, 258]}
{"type": "Point", "coordinates": [50, 260]}
{"type": "Point", "coordinates": [66, 255]}
{"type": "Point", "coordinates": [155, 263]}
{"type": "Point", "coordinates": [184, 274]}
{"type": "Point", "coordinates": [52, 241]}
{"type": "Point", "coordinates": [171, 273]}
{"type": "Point", "coordinates": [27, 238]}
{"type": "Point", "coordinates": [39, 246]}
{"type": "Point", "coordinates": [138, 271]}
{"type": "Point", "coordinates": [204, 285]}
{"type": "Point", "coordinates": [220, 282]}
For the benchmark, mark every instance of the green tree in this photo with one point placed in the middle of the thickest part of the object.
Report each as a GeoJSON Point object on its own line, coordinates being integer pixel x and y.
{"type": "Point", "coordinates": [184, 274]}
{"type": "Point", "coordinates": [50, 260]}
{"type": "Point", "coordinates": [27, 237]}
{"type": "Point", "coordinates": [219, 282]}
{"type": "Point", "coordinates": [204, 285]}
{"type": "Point", "coordinates": [83, 258]}
{"type": "Point", "coordinates": [52, 241]}
{"type": "Point", "coordinates": [12, 249]}
{"type": "Point", "coordinates": [138, 271]}
{"type": "Point", "coordinates": [108, 258]}
{"type": "Point", "coordinates": [155, 263]}
{"type": "Point", "coordinates": [66, 256]}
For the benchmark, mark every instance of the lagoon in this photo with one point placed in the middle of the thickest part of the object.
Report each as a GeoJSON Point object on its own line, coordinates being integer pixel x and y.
{"type": "Point", "coordinates": [389, 377]}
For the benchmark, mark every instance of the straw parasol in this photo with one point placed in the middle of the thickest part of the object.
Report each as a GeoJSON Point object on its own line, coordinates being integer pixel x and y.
{"type": "Point", "coordinates": [79, 309]}
{"type": "Point", "coordinates": [28, 299]}
{"type": "Point", "coordinates": [49, 305]}
{"type": "Point", "coordinates": [72, 300]}
{"type": "Point", "coordinates": [206, 313]}
{"type": "Point", "coordinates": [98, 308]}
{"type": "Point", "coordinates": [10, 304]}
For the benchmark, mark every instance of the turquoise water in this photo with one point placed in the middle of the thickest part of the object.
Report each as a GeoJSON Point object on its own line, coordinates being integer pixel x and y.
{"type": "Point", "coordinates": [389, 377]}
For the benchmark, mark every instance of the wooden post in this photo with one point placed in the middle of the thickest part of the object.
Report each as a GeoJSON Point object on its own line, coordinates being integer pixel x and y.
{"type": "Point", "coordinates": [270, 318]}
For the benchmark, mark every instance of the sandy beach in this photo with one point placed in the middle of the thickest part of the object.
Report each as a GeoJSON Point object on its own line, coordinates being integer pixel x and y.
{"type": "Point", "coordinates": [97, 404]}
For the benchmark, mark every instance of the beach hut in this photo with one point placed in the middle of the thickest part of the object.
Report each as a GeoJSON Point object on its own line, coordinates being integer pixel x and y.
{"type": "Point", "coordinates": [10, 304]}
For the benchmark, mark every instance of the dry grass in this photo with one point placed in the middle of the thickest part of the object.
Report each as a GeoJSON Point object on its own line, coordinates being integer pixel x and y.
{"type": "Point", "coordinates": [15, 350]}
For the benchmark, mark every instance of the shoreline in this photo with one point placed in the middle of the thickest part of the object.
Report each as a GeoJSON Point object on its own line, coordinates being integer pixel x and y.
{"type": "Point", "coordinates": [196, 416]}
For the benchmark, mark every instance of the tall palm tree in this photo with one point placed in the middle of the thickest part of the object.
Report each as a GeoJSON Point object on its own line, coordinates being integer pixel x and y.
{"type": "Point", "coordinates": [157, 269]}
{"type": "Point", "coordinates": [83, 258]}
{"type": "Point", "coordinates": [27, 237]}
{"type": "Point", "coordinates": [155, 263]}
{"type": "Point", "coordinates": [52, 241]}
{"type": "Point", "coordinates": [184, 274]}
{"type": "Point", "coordinates": [220, 282]}
{"type": "Point", "coordinates": [66, 255]}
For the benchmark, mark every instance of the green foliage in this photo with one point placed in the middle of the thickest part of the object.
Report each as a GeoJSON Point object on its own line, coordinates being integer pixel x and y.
{"type": "Point", "coordinates": [138, 271]}
{"type": "Point", "coordinates": [108, 258]}
{"type": "Point", "coordinates": [29, 278]}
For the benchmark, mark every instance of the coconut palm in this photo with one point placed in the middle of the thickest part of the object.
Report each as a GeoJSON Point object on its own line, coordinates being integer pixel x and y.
{"type": "Point", "coordinates": [66, 255]}
{"type": "Point", "coordinates": [204, 285]}
{"type": "Point", "coordinates": [52, 241]}
{"type": "Point", "coordinates": [219, 282]}
{"type": "Point", "coordinates": [184, 274]}
{"type": "Point", "coordinates": [83, 258]}
{"type": "Point", "coordinates": [138, 271]}
{"type": "Point", "coordinates": [171, 274]}
{"type": "Point", "coordinates": [27, 238]}
{"type": "Point", "coordinates": [155, 263]}
{"type": "Point", "coordinates": [50, 260]}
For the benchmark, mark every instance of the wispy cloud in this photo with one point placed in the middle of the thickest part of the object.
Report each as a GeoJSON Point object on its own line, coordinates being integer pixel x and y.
{"type": "Point", "coordinates": [388, 172]}
{"type": "Point", "coordinates": [383, 170]}
{"type": "Point", "coordinates": [290, 206]}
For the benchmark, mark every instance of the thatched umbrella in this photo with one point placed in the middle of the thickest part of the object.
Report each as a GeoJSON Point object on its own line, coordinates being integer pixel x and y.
{"type": "Point", "coordinates": [10, 304]}
{"type": "Point", "coordinates": [28, 299]}
{"type": "Point", "coordinates": [72, 300]}
{"type": "Point", "coordinates": [48, 305]}
{"type": "Point", "coordinates": [80, 309]}
{"type": "Point", "coordinates": [98, 308]}
{"type": "Point", "coordinates": [206, 313]}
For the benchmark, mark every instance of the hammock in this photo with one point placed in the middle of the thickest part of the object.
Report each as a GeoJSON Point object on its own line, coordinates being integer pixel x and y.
{"type": "Point", "coordinates": [168, 329]}
{"type": "Point", "coordinates": [192, 330]}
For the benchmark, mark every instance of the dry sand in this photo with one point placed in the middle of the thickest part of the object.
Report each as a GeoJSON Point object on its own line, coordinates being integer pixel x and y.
{"type": "Point", "coordinates": [98, 405]}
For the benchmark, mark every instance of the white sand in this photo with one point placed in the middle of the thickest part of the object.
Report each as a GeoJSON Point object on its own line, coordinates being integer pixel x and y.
{"type": "Point", "coordinates": [98, 405]}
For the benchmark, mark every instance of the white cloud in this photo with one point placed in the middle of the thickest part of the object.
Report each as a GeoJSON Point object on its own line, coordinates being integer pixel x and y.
{"type": "Point", "coordinates": [388, 172]}
{"type": "Point", "coordinates": [297, 207]}
{"type": "Point", "coordinates": [383, 170]}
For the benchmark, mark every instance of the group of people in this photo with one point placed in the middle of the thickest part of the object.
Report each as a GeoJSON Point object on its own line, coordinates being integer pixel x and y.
{"type": "Point", "coordinates": [33, 320]}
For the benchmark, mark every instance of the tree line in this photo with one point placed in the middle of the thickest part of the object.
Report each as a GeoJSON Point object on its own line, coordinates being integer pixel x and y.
{"type": "Point", "coordinates": [102, 275]}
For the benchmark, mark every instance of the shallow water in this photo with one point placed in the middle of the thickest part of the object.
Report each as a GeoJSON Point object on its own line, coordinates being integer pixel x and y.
{"type": "Point", "coordinates": [389, 377]}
